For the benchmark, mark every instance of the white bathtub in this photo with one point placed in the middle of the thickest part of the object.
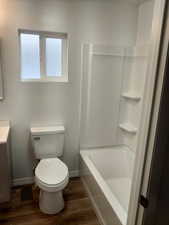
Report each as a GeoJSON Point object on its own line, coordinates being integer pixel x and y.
{"type": "Point", "coordinates": [107, 174]}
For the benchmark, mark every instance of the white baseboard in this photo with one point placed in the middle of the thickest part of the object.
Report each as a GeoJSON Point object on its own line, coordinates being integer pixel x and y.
{"type": "Point", "coordinates": [23, 181]}
{"type": "Point", "coordinates": [30, 180]}
{"type": "Point", "coordinates": [74, 173]}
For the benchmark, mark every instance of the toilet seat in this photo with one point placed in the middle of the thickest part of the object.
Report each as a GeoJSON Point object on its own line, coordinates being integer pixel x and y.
{"type": "Point", "coordinates": [51, 174]}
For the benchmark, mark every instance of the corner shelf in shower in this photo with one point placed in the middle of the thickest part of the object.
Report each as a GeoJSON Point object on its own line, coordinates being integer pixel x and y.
{"type": "Point", "coordinates": [131, 96]}
{"type": "Point", "coordinates": [127, 127]}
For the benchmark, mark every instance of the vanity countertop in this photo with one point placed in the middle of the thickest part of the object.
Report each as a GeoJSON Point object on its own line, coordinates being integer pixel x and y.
{"type": "Point", "coordinates": [4, 131]}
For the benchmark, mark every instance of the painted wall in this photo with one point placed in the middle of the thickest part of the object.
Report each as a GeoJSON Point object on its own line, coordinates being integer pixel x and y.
{"type": "Point", "coordinates": [94, 21]}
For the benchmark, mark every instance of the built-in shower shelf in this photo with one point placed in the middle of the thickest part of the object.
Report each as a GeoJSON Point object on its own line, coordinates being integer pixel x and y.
{"type": "Point", "coordinates": [131, 96]}
{"type": "Point", "coordinates": [128, 128]}
{"type": "Point", "coordinates": [106, 54]}
{"type": "Point", "coordinates": [107, 50]}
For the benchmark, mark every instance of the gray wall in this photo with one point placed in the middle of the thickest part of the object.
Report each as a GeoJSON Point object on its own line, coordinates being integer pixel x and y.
{"type": "Point", "coordinates": [96, 21]}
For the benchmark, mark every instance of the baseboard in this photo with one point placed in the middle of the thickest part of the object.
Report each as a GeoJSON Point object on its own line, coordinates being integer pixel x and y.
{"type": "Point", "coordinates": [30, 180]}
{"type": "Point", "coordinates": [74, 173]}
{"type": "Point", "coordinates": [23, 181]}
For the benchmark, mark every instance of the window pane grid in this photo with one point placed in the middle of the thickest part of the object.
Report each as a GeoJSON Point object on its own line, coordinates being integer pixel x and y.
{"type": "Point", "coordinates": [42, 57]}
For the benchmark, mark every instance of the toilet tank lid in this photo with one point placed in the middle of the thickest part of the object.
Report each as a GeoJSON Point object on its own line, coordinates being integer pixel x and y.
{"type": "Point", "coordinates": [47, 130]}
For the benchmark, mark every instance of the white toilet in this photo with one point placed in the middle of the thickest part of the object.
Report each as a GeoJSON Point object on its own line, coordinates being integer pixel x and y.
{"type": "Point", "coordinates": [51, 174]}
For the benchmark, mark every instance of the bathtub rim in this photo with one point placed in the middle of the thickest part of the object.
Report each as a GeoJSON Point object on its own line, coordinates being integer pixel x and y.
{"type": "Point", "coordinates": [120, 212]}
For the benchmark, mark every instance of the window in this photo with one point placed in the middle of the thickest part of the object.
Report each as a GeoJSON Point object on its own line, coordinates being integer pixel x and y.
{"type": "Point", "coordinates": [43, 56]}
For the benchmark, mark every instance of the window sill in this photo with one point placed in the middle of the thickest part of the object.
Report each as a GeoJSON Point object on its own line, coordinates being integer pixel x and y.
{"type": "Point", "coordinates": [60, 80]}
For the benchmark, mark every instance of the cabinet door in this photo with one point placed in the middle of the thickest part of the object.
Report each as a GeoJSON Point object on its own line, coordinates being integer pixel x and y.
{"type": "Point", "coordinates": [1, 78]}
{"type": "Point", "coordinates": [5, 177]}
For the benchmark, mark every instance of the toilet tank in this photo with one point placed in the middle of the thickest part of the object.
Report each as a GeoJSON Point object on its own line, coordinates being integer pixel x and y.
{"type": "Point", "coordinates": [47, 141]}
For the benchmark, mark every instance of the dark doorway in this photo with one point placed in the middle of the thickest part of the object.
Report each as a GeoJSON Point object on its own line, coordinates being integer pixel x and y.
{"type": "Point", "coordinates": [157, 212]}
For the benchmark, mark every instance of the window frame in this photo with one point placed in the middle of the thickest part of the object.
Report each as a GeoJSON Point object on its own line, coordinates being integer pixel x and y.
{"type": "Point", "coordinates": [42, 48]}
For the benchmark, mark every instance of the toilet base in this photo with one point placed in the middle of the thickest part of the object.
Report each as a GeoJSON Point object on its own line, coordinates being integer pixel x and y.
{"type": "Point", "coordinates": [51, 202]}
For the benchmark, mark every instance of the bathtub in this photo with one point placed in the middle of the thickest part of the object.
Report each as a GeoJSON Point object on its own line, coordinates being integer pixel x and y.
{"type": "Point", "coordinates": [106, 174]}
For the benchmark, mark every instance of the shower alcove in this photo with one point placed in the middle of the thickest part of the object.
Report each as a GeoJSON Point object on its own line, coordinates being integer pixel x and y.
{"type": "Point", "coordinates": [117, 90]}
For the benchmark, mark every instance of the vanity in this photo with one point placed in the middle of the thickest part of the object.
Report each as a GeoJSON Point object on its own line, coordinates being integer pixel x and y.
{"type": "Point", "coordinates": [5, 162]}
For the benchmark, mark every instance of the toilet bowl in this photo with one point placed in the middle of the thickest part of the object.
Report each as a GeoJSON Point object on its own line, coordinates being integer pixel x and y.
{"type": "Point", "coordinates": [51, 176]}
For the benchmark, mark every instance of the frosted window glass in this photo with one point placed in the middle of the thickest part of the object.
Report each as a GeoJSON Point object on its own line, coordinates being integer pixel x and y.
{"type": "Point", "coordinates": [30, 56]}
{"type": "Point", "coordinates": [53, 57]}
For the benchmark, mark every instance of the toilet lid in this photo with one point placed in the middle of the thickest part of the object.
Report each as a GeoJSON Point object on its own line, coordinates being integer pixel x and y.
{"type": "Point", "coordinates": [51, 171]}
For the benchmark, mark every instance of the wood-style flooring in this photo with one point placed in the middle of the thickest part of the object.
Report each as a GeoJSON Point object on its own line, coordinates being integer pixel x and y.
{"type": "Point", "coordinates": [23, 208]}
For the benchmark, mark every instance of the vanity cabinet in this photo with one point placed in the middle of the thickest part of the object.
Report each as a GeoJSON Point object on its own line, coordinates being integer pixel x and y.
{"type": "Point", "coordinates": [1, 79]}
{"type": "Point", "coordinates": [5, 164]}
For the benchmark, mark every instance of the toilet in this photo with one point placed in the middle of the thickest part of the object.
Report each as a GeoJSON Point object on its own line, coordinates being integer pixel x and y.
{"type": "Point", "coordinates": [51, 174]}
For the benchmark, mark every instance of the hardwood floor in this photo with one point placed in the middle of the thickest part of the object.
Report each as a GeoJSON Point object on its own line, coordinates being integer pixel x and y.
{"type": "Point", "coordinates": [24, 210]}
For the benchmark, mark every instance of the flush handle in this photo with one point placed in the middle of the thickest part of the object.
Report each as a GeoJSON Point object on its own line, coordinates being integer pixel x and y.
{"type": "Point", "coordinates": [36, 138]}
